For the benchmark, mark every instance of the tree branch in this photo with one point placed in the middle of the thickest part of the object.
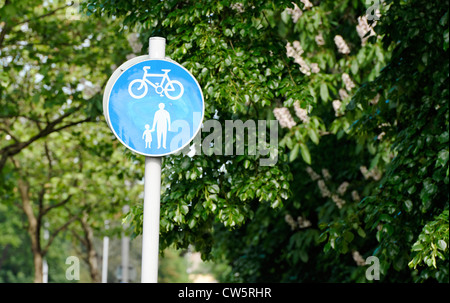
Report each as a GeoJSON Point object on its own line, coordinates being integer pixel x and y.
{"type": "Point", "coordinates": [5, 28]}
{"type": "Point", "coordinates": [73, 124]}
{"type": "Point", "coordinates": [77, 236]}
{"type": "Point", "coordinates": [44, 15]}
{"type": "Point", "coordinates": [15, 148]}
{"type": "Point", "coordinates": [50, 207]}
{"type": "Point", "coordinates": [56, 232]}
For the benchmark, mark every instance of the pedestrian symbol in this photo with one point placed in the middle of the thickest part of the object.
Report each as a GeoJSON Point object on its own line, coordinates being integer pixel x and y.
{"type": "Point", "coordinates": [153, 106]}
{"type": "Point", "coordinates": [147, 136]}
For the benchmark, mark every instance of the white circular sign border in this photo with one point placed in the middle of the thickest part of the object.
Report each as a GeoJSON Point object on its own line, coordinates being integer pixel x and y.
{"type": "Point", "coordinates": [112, 81]}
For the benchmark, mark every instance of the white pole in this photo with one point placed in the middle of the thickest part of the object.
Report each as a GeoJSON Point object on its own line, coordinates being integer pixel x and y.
{"type": "Point", "coordinates": [105, 255]}
{"type": "Point", "coordinates": [44, 263]}
{"type": "Point", "coordinates": [44, 271]}
{"type": "Point", "coordinates": [125, 249]}
{"type": "Point", "coordinates": [152, 194]}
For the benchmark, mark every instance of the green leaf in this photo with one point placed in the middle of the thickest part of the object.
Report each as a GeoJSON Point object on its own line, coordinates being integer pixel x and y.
{"type": "Point", "coordinates": [36, 98]}
{"type": "Point", "coordinates": [361, 232]}
{"type": "Point", "coordinates": [214, 189]}
{"type": "Point", "coordinates": [192, 223]}
{"type": "Point", "coordinates": [327, 247]}
{"type": "Point", "coordinates": [246, 164]}
{"type": "Point", "coordinates": [428, 190]}
{"type": "Point", "coordinates": [442, 245]}
{"type": "Point", "coordinates": [323, 236]}
{"type": "Point", "coordinates": [442, 158]}
{"type": "Point", "coordinates": [294, 152]}
{"type": "Point", "coordinates": [348, 236]}
{"type": "Point", "coordinates": [313, 135]}
{"type": "Point", "coordinates": [303, 256]}
{"type": "Point", "coordinates": [408, 205]}
{"type": "Point", "coordinates": [354, 67]}
{"type": "Point", "coordinates": [305, 153]}
{"type": "Point", "coordinates": [417, 247]}
{"type": "Point", "coordinates": [374, 161]}
{"type": "Point", "coordinates": [184, 209]}
{"type": "Point", "coordinates": [385, 218]}
{"type": "Point", "coordinates": [324, 92]}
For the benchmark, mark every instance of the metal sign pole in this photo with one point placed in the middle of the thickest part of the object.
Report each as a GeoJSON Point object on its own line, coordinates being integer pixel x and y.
{"type": "Point", "coordinates": [152, 195]}
{"type": "Point", "coordinates": [125, 249]}
{"type": "Point", "coordinates": [105, 255]}
{"type": "Point", "coordinates": [128, 113]}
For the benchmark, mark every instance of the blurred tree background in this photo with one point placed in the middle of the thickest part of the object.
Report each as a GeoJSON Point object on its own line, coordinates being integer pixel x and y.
{"type": "Point", "coordinates": [360, 95]}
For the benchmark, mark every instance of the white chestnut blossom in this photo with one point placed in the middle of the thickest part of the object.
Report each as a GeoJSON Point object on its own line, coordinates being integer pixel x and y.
{"type": "Point", "coordinates": [343, 188]}
{"type": "Point", "coordinates": [307, 4]}
{"type": "Point", "coordinates": [130, 56]}
{"type": "Point", "coordinates": [343, 94]}
{"type": "Point", "coordinates": [339, 202]}
{"type": "Point", "coordinates": [349, 85]}
{"type": "Point", "coordinates": [363, 28]}
{"type": "Point", "coordinates": [323, 189]}
{"type": "Point", "coordinates": [326, 174]}
{"type": "Point", "coordinates": [341, 45]}
{"type": "Point", "coordinates": [355, 196]}
{"type": "Point", "coordinates": [300, 223]}
{"type": "Point", "coordinates": [295, 51]}
{"type": "Point", "coordinates": [290, 221]}
{"type": "Point", "coordinates": [336, 106]}
{"type": "Point", "coordinates": [315, 68]}
{"type": "Point", "coordinates": [303, 222]}
{"type": "Point", "coordinates": [88, 88]}
{"type": "Point", "coordinates": [358, 258]}
{"type": "Point", "coordinates": [319, 39]}
{"type": "Point", "coordinates": [133, 40]}
{"type": "Point", "coordinates": [298, 47]}
{"type": "Point", "coordinates": [312, 174]}
{"type": "Point", "coordinates": [295, 12]}
{"type": "Point", "coordinates": [239, 7]}
{"type": "Point", "coordinates": [374, 173]}
{"type": "Point", "coordinates": [301, 113]}
{"type": "Point", "coordinates": [304, 68]}
{"type": "Point", "coordinates": [284, 117]}
{"type": "Point", "coordinates": [375, 100]}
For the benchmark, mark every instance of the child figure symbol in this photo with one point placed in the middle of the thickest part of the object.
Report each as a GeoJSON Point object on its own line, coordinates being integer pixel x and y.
{"type": "Point", "coordinates": [147, 136]}
{"type": "Point", "coordinates": [162, 122]}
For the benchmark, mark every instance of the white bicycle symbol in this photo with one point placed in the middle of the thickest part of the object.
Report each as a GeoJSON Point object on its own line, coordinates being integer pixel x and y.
{"type": "Point", "coordinates": [173, 89]}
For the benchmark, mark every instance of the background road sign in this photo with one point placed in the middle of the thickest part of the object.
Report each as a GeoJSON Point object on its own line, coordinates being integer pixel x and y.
{"type": "Point", "coordinates": [154, 107]}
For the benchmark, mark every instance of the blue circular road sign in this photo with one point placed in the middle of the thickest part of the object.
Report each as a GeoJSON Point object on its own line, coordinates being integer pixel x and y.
{"type": "Point", "coordinates": [154, 107]}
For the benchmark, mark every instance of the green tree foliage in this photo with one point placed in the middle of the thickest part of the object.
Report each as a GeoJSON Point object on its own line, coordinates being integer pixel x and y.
{"type": "Point", "coordinates": [362, 165]}
{"type": "Point", "coordinates": [413, 197]}
{"type": "Point", "coordinates": [233, 61]}
{"type": "Point", "coordinates": [362, 162]}
{"type": "Point", "coordinates": [58, 167]}
{"type": "Point", "coordinates": [172, 267]}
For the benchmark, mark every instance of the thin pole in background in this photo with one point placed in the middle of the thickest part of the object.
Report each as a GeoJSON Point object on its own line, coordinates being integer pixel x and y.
{"type": "Point", "coordinates": [125, 249]}
{"type": "Point", "coordinates": [105, 255]}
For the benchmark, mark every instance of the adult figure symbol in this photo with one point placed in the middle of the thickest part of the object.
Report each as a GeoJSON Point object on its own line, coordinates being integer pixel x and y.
{"type": "Point", "coordinates": [162, 122]}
